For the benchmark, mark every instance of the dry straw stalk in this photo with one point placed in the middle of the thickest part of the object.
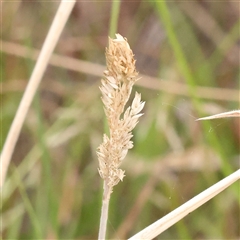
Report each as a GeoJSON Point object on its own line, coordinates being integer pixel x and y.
{"type": "Point", "coordinates": [57, 26]}
{"type": "Point", "coordinates": [234, 113]}
{"type": "Point", "coordinates": [116, 88]}
{"type": "Point", "coordinates": [176, 215]}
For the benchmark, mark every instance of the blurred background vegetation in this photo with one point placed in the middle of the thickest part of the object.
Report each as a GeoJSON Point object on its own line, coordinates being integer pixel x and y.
{"type": "Point", "coordinates": [187, 53]}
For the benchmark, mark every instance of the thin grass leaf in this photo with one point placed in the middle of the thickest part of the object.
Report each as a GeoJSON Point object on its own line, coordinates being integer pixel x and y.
{"type": "Point", "coordinates": [173, 217]}
{"type": "Point", "coordinates": [56, 28]}
{"type": "Point", "coordinates": [234, 113]}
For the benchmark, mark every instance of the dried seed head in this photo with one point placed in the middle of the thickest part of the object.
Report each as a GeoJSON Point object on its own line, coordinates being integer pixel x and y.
{"type": "Point", "coordinates": [120, 61]}
{"type": "Point", "coordinates": [116, 88]}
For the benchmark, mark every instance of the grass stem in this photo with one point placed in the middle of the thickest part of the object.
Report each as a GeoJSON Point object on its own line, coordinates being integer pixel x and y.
{"type": "Point", "coordinates": [42, 62]}
{"type": "Point", "coordinates": [173, 217]}
{"type": "Point", "coordinates": [104, 212]}
{"type": "Point", "coordinates": [114, 18]}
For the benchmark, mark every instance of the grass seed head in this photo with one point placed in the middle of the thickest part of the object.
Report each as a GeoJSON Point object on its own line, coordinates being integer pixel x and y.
{"type": "Point", "coordinates": [116, 87]}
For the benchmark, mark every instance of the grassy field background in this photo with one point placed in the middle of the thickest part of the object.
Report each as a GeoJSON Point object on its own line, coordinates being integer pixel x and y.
{"type": "Point", "coordinates": [188, 57]}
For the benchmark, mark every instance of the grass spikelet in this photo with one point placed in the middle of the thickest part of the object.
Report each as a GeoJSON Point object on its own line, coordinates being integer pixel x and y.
{"type": "Point", "coordinates": [116, 88]}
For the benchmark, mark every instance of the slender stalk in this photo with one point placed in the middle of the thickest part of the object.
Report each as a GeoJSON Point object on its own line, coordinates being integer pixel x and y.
{"type": "Point", "coordinates": [167, 221]}
{"type": "Point", "coordinates": [28, 205]}
{"type": "Point", "coordinates": [46, 52]}
{"type": "Point", "coordinates": [104, 212]}
{"type": "Point", "coordinates": [212, 139]}
{"type": "Point", "coordinates": [234, 113]}
{"type": "Point", "coordinates": [114, 17]}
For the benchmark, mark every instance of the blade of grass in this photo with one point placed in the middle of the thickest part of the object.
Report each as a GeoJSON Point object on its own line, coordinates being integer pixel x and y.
{"type": "Point", "coordinates": [114, 18]}
{"type": "Point", "coordinates": [11, 217]}
{"type": "Point", "coordinates": [164, 14]}
{"type": "Point", "coordinates": [49, 44]}
{"type": "Point", "coordinates": [32, 215]}
{"type": "Point", "coordinates": [235, 113]}
{"type": "Point", "coordinates": [167, 221]}
{"type": "Point", "coordinates": [47, 188]}
{"type": "Point", "coordinates": [225, 45]}
{"type": "Point", "coordinates": [202, 67]}
{"type": "Point", "coordinates": [50, 137]}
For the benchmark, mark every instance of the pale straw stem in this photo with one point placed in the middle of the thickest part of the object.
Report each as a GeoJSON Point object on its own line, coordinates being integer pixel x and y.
{"type": "Point", "coordinates": [234, 113]}
{"type": "Point", "coordinates": [167, 221]}
{"type": "Point", "coordinates": [47, 49]}
{"type": "Point", "coordinates": [104, 212]}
